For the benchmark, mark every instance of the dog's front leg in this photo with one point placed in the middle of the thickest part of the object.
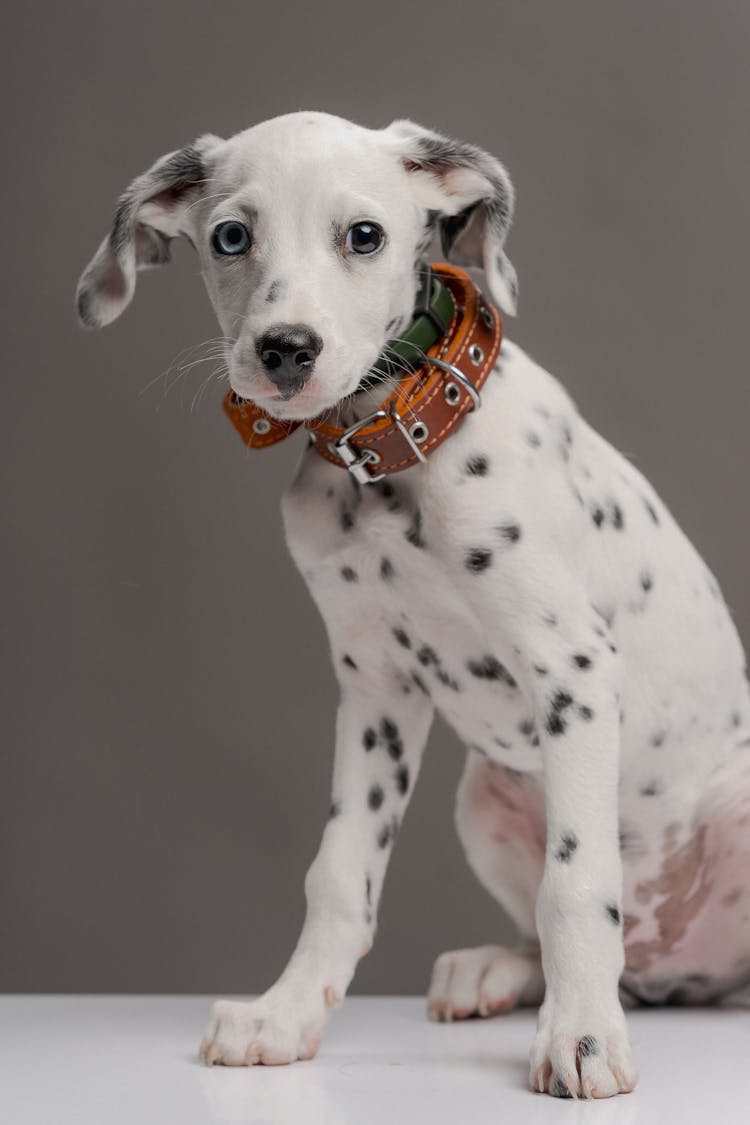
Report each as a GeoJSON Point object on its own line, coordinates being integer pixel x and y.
{"type": "Point", "coordinates": [379, 741]}
{"type": "Point", "coordinates": [581, 1046]}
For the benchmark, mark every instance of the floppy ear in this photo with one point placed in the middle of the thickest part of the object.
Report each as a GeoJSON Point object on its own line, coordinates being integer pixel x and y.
{"type": "Point", "coordinates": [473, 196]}
{"type": "Point", "coordinates": [150, 213]}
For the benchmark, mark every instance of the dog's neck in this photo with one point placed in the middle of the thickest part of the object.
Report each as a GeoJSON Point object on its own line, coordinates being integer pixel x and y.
{"type": "Point", "coordinates": [430, 320]}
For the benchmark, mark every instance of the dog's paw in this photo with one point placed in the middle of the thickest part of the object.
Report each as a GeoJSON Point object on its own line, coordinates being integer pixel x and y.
{"type": "Point", "coordinates": [273, 1030]}
{"type": "Point", "coordinates": [481, 982]}
{"type": "Point", "coordinates": [582, 1054]}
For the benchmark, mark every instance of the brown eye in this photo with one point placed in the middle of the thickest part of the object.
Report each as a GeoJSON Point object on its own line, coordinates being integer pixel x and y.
{"type": "Point", "coordinates": [231, 238]}
{"type": "Point", "coordinates": [364, 238]}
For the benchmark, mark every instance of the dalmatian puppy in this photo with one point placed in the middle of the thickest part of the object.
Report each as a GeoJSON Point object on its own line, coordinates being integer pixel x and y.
{"type": "Point", "coordinates": [526, 582]}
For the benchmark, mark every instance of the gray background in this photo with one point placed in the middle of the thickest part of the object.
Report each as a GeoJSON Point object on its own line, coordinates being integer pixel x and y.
{"type": "Point", "coordinates": [168, 700]}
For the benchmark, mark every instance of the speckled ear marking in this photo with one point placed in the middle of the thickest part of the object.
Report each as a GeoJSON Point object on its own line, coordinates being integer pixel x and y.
{"type": "Point", "coordinates": [471, 193]}
{"type": "Point", "coordinates": [149, 214]}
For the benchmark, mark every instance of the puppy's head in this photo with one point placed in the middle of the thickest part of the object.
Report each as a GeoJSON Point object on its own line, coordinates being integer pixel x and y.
{"type": "Point", "coordinates": [310, 231]}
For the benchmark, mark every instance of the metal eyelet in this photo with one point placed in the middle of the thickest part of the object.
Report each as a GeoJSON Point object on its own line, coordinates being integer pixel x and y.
{"type": "Point", "coordinates": [486, 316]}
{"type": "Point", "coordinates": [452, 394]}
{"type": "Point", "coordinates": [476, 355]}
{"type": "Point", "coordinates": [261, 426]}
{"type": "Point", "coordinates": [419, 432]}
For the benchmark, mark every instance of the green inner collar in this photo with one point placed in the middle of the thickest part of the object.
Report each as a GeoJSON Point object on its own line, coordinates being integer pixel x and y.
{"type": "Point", "coordinates": [433, 309]}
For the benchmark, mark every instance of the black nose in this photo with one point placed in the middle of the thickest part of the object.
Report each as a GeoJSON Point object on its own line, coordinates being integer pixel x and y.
{"type": "Point", "coordinates": [288, 353]}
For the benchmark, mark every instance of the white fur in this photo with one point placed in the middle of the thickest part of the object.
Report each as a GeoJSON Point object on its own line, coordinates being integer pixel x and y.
{"type": "Point", "coordinates": [529, 585]}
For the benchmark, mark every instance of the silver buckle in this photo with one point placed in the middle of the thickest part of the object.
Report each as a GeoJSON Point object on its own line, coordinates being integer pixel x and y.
{"type": "Point", "coordinates": [355, 462]}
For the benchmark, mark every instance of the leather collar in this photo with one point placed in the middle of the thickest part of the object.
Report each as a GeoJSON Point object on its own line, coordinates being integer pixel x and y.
{"type": "Point", "coordinates": [421, 410]}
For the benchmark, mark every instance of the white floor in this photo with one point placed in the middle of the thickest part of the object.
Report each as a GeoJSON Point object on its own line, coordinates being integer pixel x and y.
{"type": "Point", "coordinates": [132, 1061]}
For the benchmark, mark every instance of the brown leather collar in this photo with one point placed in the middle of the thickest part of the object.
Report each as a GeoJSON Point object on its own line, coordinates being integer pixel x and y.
{"type": "Point", "coordinates": [421, 411]}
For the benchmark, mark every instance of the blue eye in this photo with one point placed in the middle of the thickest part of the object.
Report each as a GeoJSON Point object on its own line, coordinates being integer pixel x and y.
{"type": "Point", "coordinates": [231, 238]}
{"type": "Point", "coordinates": [364, 238]}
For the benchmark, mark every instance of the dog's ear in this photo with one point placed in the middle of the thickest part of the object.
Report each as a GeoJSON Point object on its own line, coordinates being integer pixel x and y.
{"type": "Point", "coordinates": [149, 214]}
{"type": "Point", "coordinates": [473, 196]}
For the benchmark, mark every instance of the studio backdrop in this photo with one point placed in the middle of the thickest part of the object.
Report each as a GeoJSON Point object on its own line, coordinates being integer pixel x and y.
{"type": "Point", "coordinates": [169, 705]}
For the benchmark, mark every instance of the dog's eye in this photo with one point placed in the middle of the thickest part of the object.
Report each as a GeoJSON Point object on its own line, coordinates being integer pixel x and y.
{"type": "Point", "coordinates": [364, 238]}
{"type": "Point", "coordinates": [231, 238]}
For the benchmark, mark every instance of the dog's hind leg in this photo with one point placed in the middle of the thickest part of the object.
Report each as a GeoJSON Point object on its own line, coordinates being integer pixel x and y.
{"type": "Point", "coordinates": [500, 822]}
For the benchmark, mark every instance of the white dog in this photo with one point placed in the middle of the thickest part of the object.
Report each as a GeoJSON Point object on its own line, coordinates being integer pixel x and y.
{"type": "Point", "coordinates": [520, 576]}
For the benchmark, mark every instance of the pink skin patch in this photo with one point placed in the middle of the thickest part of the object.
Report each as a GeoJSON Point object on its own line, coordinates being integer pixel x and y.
{"type": "Point", "coordinates": [499, 795]}
{"type": "Point", "coordinates": [701, 884]}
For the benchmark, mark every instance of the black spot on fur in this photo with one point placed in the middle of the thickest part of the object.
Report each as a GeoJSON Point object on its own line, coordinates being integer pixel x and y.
{"type": "Point", "coordinates": [275, 290]}
{"type": "Point", "coordinates": [388, 728]}
{"type": "Point", "coordinates": [651, 510]}
{"type": "Point", "coordinates": [531, 438]}
{"type": "Point", "coordinates": [417, 679]}
{"type": "Point", "coordinates": [477, 466]}
{"type": "Point", "coordinates": [368, 890]}
{"type": "Point", "coordinates": [646, 581]}
{"type": "Point", "coordinates": [446, 679]}
{"type": "Point", "coordinates": [375, 798]}
{"type": "Point", "coordinates": [348, 574]}
{"type": "Point", "coordinates": [568, 846]}
{"type": "Point", "coordinates": [585, 713]}
{"type": "Point", "coordinates": [346, 519]}
{"type": "Point", "coordinates": [394, 745]}
{"type": "Point", "coordinates": [427, 656]}
{"type": "Point", "coordinates": [582, 661]}
{"type": "Point", "coordinates": [402, 780]}
{"type": "Point", "coordinates": [618, 519]}
{"type": "Point", "coordinates": [346, 659]}
{"type": "Point", "coordinates": [401, 637]}
{"type": "Point", "coordinates": [477, 559]}
{"type": "Point", "coordinates": [658, 737]}
{"type": "Point", "coordinates": [613, 913]}
{"type": "Point", "coordinates": [651, 788]}
{"type": "Point", "coordinates": [388, 833]}
{"type": "Point", "coordinates": [413, 532]}
{"type": "Point", "coordinates": [386, 569]}
{"type": "Point", "coordinates": [598, 516]}
{"type": "Point", "coordinates": [541, 670]}
{"type": "Point", "coordinates": [369, 738]}
{"type": "Point", "coordinates": [510, 532]}
{"type": "Point", "coordinates": [490, 668]}
{"type": "Point", "coordinates": [388, 492]}
{"type": "Point", "coordinates": [588, 1046]}
{"type": "Point", "coordinates": [558, 1089]}
{"type": "Point", "coordinates": [556, 723]}
{"type": "Point", "coordinates": [335, 810]}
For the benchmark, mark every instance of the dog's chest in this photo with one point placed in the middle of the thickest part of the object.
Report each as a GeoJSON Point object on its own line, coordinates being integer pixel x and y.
{"type": "Point", "coordinates": [396, 612]}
